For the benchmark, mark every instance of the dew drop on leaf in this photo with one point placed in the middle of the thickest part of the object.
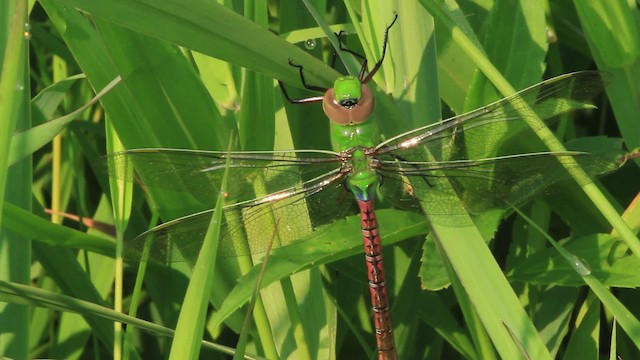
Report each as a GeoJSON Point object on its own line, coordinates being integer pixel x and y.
{"type": "Point", "coordinates": [581, 266]}
{"type": "Point", "coordinates": [310, 44]}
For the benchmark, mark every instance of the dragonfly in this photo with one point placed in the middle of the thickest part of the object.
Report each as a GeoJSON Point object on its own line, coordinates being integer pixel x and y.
{"type": "Point", "coordinates": [308, 190]}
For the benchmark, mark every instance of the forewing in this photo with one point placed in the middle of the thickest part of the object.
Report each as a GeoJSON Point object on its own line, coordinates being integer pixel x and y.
{"type": "Point", "coordinates": [199, 173]}
{"type": "Point", "coordinates": [482, 132]}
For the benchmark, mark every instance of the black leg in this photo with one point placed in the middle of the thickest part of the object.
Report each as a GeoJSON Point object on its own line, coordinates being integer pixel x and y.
{"type": "Point", "coordinates": [311, 99]}
{"type": "Point", "coordinates": [346, 49]}
{"type": "Point", "coordinates": [334, 55]}
{"type": "Point", "coordinates": [298, 101]}
{"type": "Point", "coordinates": [304, 83]}
{"type": "Point", "coordinates": [384, 51]}
{"type": "Point", "coordinates": [425, 178]}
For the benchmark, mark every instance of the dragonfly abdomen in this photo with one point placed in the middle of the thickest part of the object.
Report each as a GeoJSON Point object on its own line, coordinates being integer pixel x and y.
{"type": "Point", "coordinates": [377, 280]}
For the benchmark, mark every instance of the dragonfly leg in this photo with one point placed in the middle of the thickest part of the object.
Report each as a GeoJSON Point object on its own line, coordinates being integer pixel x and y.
{"type": "Point", "coordinates": [344, 48]}
{"type": "Point", "coordinates": [306, 86]}
{"type": "Point", "coordinates": [376, 67]}
{"type": "Point", "coordinates": [311, 99]}
{"type": "Point", "coordinates": [425, 178]}
{"type": "Point", "coordinates": [304, 82]}
{"type": "Point", "coordinates": [363, 67]}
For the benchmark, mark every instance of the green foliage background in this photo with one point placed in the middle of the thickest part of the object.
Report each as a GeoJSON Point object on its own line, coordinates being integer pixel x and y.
{"type": "Point", "coordinates": [197, 73]}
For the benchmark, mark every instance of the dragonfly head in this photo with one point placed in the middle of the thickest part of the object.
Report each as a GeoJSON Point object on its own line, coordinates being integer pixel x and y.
{"type": "Point", "coordinates": [349, 102]}
{"type": "Point", "coordinates": [347, 91]}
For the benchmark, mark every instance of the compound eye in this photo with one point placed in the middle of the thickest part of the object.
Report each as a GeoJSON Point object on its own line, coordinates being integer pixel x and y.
{"type": "Point", "coordinates": [348, 111]}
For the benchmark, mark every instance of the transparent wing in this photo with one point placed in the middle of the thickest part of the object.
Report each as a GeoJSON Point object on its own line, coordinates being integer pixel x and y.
{"type": "Point", "coordinates": [456, 158]}
{"type": "Point", "coordinates": [200, 172]}
{"type": "Point", "coordinates": [301, 190]}
{"type": "Point", "coordinates": [480, 132]}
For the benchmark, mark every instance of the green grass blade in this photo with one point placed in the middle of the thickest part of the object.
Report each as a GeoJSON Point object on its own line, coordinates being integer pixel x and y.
{"type": "Point", "coordinates": [211, 29]}
{"type": "Point", "coordinates": [12, 89]}
{"type": "Point", "coordinates": [475, 327]}
{"type": "Point", "coordinates": [612, 35]}
{"type": "Point", "coordinates": [27, 295]}
{"type": "Point", "coordinates": [491, 294]}
{"type": "Point", "coordinates": [91, 279]}
{"type": "Point", "coordinates": [515, 43]}
{"type": "Point", "coordinates": [190, 328]}
{"type": "Point", "coordinates": [71, 279]}
{"type": "Point", "coordinates": [257, 115]}
{"type": "Point", "coordinates": [626, 319]}
{"type": "Point", "coordinates": [29, 225]}
{"type": "Point", "coordinates": [620, 45]}
{"type": "Point", "coordinates": [121, 198]}
{"type": "Point", "coordinates": [587, 326]}
{"type": "Point", "coordinates": [15, 182]}
{"type": "Point", "coordinates": [28, 141]}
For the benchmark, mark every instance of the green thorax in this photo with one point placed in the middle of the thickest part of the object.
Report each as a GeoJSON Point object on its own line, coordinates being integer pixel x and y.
{"type": "Point", "coordinates": [362, 179]}
{"type": "Point", "coordinates": [345, 137]}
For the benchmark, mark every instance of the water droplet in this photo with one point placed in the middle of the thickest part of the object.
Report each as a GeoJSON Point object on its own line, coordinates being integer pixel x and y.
{"type": "Point", "coordinates": [19, 87]}
{"type": "Point", "coordinates": [27, 31]}
{"type": "Point", "coordinates": [310, 44]}
{"type": "Point", "coordinates": [580, 265]}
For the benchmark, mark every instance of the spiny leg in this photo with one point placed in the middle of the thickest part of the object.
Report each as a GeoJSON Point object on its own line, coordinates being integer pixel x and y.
{"type": "Point", "coordinates": [306, 86]}
{"type": "Point", "coordinates": [363, 66]}
{"type": "Point", "coordinates": [304, 83]}
{"type": "Point", "coordinates": [425, 178]}
{"type": "Point", "coordinates": [345, 49]}
{"type": "Point", "coordinates": [376, 67]}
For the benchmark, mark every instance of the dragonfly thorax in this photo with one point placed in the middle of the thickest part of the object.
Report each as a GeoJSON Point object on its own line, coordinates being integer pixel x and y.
{"type": "Point", "coordinates": [362, 179]}
{"type": "Point", "coordinates": [346, 137]}
{"type": "Point", "coordinates": [349, 102]}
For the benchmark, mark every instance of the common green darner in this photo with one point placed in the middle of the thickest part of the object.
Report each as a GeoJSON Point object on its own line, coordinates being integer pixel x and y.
{"type": "Point", "coordinates": [306, 189]}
